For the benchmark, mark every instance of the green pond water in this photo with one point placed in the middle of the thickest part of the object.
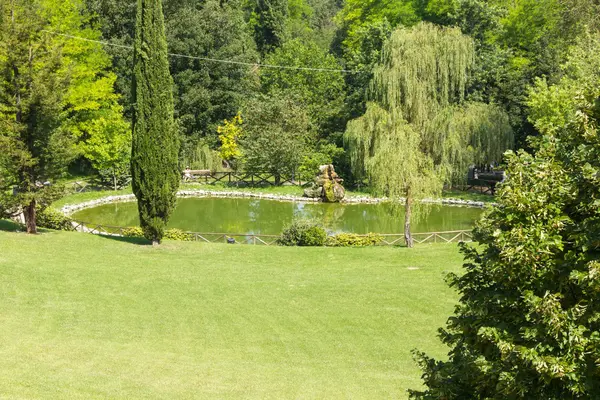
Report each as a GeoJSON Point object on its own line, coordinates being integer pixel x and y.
{"type": "Point", "coordinates": [268, 217]}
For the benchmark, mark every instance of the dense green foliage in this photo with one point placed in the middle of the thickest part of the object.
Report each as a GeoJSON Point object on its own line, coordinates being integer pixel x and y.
{"type": "Point", "coordinates": [56, 101]}
{"type": "Point", "coordinates": [321, 94]}
{"type": "Point", "coordinates": [154, 157]}
{"type": "Point", "coordinates": [207, 92]}
{"type": "Point", "coordinates": [277, 133]}
{"type": "Point", "coordinates": [269, 22]}
{"type": "Point", "coordinates": [303, 233]}
{"type": "Point", "coordinates": [514, 43]}
{"type": "Point", "coordinates": [528, 320]}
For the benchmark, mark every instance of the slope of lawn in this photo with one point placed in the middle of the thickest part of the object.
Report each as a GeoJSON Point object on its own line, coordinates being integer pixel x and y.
{"type": "Point", "coordinates": [83, 316]}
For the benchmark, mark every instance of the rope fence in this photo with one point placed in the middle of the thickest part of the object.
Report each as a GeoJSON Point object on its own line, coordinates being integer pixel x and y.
{"type": "Point", "coordinates": [393, 239]}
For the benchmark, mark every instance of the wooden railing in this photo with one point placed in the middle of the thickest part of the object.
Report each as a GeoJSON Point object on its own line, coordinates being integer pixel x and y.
{"type": "Point", "coordinates": [394, 239]}
{"type": "Point", "coordinates": [246, 178]}
{"type": "Point", "coordinates": [211, 178]}
{"type": "Point", "coordinates": [236, 238]}
{"type": "Point", "coordinates": [443, 237]}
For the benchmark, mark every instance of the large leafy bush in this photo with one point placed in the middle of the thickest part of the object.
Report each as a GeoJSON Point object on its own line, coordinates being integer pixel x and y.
{"type": "Point", "coordinates": [53, 219]}
{"type": "Point", "coordinates": [528, 322]}
{"type": "Point", "coordinates": [303, 233]}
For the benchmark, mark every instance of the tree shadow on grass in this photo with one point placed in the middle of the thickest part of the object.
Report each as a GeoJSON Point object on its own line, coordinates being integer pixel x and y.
{"type": "Point", "coordinates": [11, 226]}
{"type": "Point", "coordinates": [131, 240]}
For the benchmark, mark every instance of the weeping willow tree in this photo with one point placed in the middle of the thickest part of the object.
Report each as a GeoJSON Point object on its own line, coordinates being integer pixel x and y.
{"type": "Point", "coordinates": [466, 134]}
{"type": "Point", "coordinates": [417, 132]}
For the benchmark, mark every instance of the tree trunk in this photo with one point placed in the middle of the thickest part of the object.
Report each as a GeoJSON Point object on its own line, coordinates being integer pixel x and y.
{"type": "Point", "coordinates": [407, 214]}
{"type": "Point", "coordinates": [277, 179]}
{"type": "Point", "coordinates": [29, 213]}
{"type": "Point", "coordinates": [155, 242]}
{"type": "Point", "coordinates": [115, 180]}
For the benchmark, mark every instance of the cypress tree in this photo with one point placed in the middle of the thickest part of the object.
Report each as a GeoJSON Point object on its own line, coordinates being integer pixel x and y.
{"type": "Point", "coordinates": [154, 156]}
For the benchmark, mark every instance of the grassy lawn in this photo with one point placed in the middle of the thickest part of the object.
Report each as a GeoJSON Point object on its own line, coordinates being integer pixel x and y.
{"type": "Point", "coordinates": [83, 316]}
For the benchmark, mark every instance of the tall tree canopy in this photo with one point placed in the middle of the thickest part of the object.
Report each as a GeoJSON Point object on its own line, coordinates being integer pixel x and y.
{"type": "Point", "coordinates": [207, 92]}
{"type": "Point", "coordinates": [517, 42]}
{"type": "Point", "coordinates": [268, 18]}
{"type": "Point", "coordinates": [528, 319]}
{"type": "Point", "coordinates": [277, 134]}
{"type": "Point", "coordinates": [56, 96]}
{"type": "Point", "coordinates": [357, 14]}
{"type": "Point", "coordinates": [406, 142]}
{"type": "Point", "coordinates": [321, 92]}
{"type": "Point", "coordinates": [154, 157]}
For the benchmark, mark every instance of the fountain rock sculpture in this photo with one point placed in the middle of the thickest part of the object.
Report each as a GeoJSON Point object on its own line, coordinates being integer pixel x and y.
{"type": "Point", "coordinates": [327, 186]}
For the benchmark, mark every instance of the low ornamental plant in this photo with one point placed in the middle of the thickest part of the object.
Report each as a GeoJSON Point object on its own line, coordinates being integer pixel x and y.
{"type": "Point", "coordinates": [354, 240]}
{"type": "Point", "coordinates": [170, 234]}
{"type": "Point", "coordinates": [52, 219]}
{"type": "Point", "coordinates": [133, 232]}
{"type": "Point", "coordinates": [303, 233]}
{"type": "Point", "coordinates": [178, 234]}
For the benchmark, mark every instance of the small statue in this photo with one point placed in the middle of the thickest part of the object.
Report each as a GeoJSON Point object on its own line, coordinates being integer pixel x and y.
{"type": "Point", "coordinates": [327, 186]}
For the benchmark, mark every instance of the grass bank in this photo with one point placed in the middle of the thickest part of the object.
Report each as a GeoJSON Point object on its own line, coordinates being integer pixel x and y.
{"type": "Point", "coordinates": [84, 316]}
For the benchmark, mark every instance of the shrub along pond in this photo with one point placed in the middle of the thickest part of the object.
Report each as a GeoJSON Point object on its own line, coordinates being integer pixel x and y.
{"type": "Point", "coordinates": [268, 217]}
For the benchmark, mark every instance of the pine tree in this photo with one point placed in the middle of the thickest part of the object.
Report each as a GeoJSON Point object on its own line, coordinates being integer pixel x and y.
{"type": "Point", "coordinates": [154, 157]}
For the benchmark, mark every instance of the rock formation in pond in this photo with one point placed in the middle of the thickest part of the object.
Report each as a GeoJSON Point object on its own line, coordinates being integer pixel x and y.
{"type": "Point", "coordinates": [327, 186]}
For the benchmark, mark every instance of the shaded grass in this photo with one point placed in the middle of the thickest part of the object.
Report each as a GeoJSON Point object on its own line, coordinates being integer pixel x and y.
{"type": "Point", "coordinates": [11, 226]}
{"type": "Point", "coordinates": [87, 317]}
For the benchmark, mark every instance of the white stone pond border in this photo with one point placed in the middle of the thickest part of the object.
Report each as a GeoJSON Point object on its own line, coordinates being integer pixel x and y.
{"type": "Point", "coordinates": [69, 209]}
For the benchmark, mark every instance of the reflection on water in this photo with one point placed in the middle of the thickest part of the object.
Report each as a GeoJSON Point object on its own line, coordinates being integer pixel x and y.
{"type": "Point", "coordinates": [255, 216]}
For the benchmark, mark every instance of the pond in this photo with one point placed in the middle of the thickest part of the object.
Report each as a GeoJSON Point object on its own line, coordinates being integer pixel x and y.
{"type": "Point", "coordinates": [268, 217]}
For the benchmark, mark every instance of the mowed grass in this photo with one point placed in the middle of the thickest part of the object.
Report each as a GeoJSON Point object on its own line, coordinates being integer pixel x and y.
{"type": "Point", "coordinates": [83, 316]}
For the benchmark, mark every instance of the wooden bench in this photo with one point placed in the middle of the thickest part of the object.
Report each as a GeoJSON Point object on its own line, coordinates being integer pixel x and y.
{"type": "Point", "coordinates": [484, 180]}
{"type": "Point", "coordinates": [192, 174]}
